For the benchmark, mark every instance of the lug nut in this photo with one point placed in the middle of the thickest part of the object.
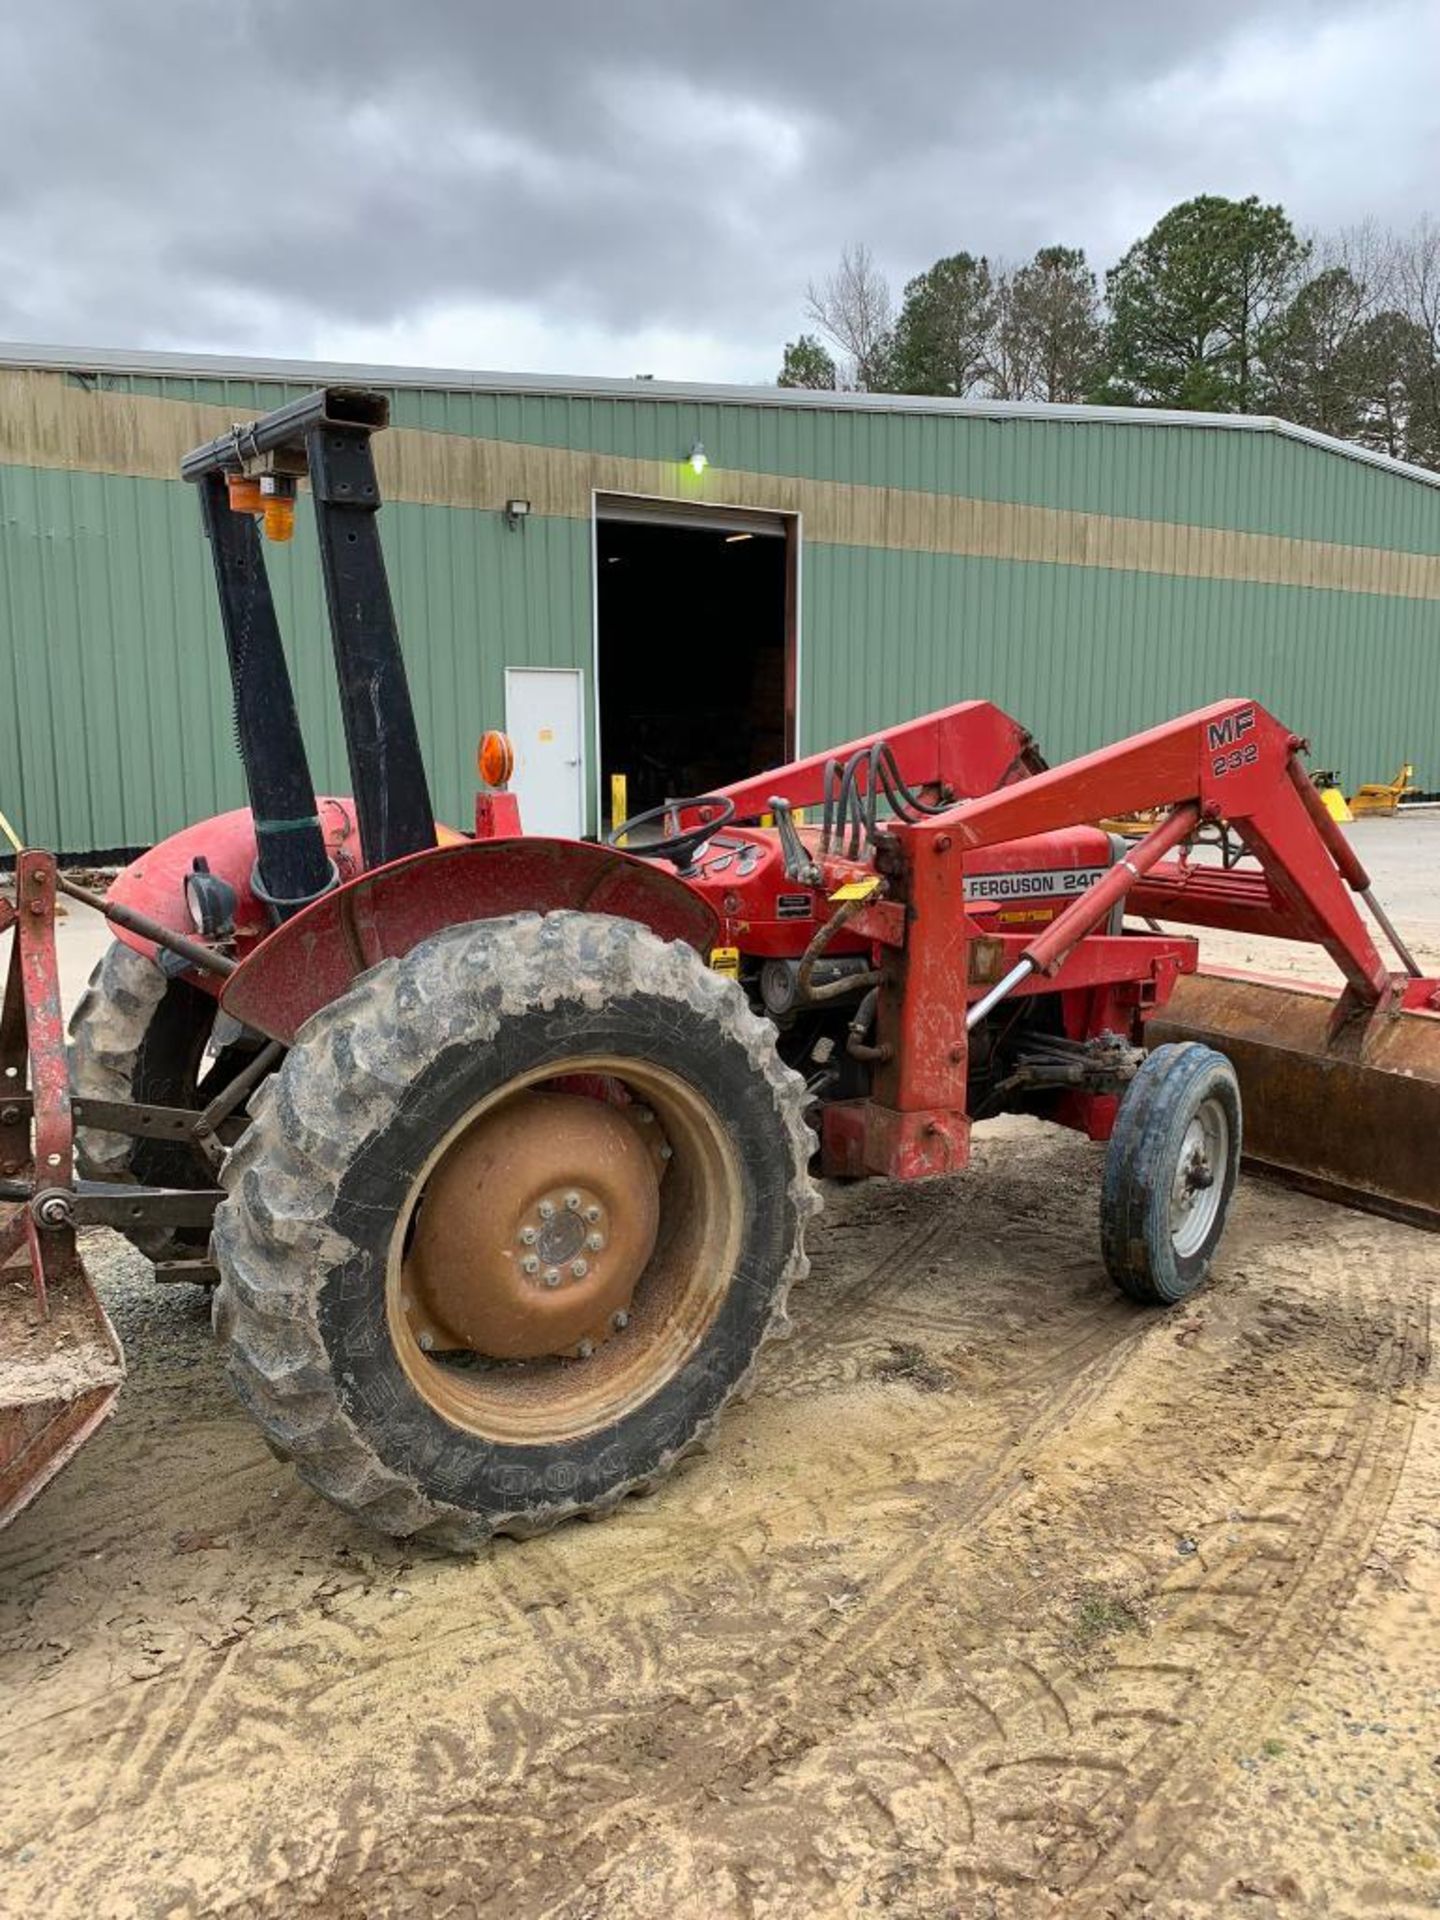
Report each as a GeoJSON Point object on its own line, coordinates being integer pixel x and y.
{"type": "Point", "coordinates": [666, 1150]}
{"type": "Point", "coordinates": [585, 1349]}
{"type": "Point", "coordinates": [530, 1264]}
{"type": "Point", "coordinates": [552, 1276]}
{"type": "Point", "coordinates": [595, 1241]}
{"type": "Point", "coordinates": [620, 1321]}
{"type": "Point", "coordinates": [546, 1209]}
{"type": "Point", "coordinates": [528, 1236]}
{"type": "Point", "coordinates": [579, 1269]}
{"type": "Point", "coordinates": [592, 1214]}
{"type": "Point", "coordinates": [427, 1341]}
{"type": "Point", "coordinates": [572, 1202]}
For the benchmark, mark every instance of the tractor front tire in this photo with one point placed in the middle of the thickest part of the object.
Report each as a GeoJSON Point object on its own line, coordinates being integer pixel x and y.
{"type": "Point", "coordinates": [322, 1230]}
{"type": "Point", "coordinates": [1170, 1172]}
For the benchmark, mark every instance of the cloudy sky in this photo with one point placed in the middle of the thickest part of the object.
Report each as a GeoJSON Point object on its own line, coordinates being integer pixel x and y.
{"type": "Point", "coordinates": [611, 186]}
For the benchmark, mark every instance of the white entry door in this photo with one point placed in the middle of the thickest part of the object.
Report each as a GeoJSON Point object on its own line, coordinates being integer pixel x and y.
{"type": "Point", "coordinates": [544, 717]}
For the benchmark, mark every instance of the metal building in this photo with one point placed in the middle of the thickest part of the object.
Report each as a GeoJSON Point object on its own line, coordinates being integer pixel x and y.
{"type": "Point", "coordinates": [681, 584]}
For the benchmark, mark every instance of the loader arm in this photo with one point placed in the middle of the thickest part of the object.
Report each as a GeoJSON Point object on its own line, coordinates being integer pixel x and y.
{"type": "Point", "coordinates": [968, 749]}
{"type": "Point", "coordinates": [1234, 762]}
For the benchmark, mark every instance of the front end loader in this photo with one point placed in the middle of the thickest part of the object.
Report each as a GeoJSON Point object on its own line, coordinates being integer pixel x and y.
{"type": "Point", "coordinates": [498, 1151]}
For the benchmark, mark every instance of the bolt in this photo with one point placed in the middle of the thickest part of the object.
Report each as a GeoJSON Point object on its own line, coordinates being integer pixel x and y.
{"type": "Point", "coordinates": [957, 1054]}
{"type": "Point", "coordinates": [579, 1269]}
{"type": "Point", "coordinates": [528, 1236]}
{"type": "Point", "coordinates": [52, 1159]}
{"type": "Point", "coordinates": [666, 1150]}
{"type": "Point", "coordinates": [585, 1349]}
{"type": "Point", "coordinates": [53, 1210]}
{"type": "Point", "coordinates": [644, 1116]}
{"type": "Point", "coordinates": [594, 1241]}
{"type": "Point", "coordinates": [547, 1209]}
{"type": "Point", "coordinates": [942, 843]}
{"type": "Point", "coordinates": [427, 1341]}
{"type": "Point", "coordinates": [530, 1264]}
{"type": "Point", "coordinates": [620, 1320]}
{"type": "Point", "coordinates": [572, 1203]}
{"type": "Point", "coordinates": [9, 1115]}
{"type": "Point", "coordinates": [552, 1276]}
{"type": "Point", "coordinates": [592, 1214]}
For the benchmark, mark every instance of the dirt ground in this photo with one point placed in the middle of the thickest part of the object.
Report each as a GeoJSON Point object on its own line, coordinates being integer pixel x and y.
{"type": "Point", "coordinates": [1001, 1597]}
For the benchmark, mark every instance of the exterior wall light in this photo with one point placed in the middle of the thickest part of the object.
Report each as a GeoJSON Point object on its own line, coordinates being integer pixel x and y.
{"type": "Point", "coordinates": [516, 513]}
{"type": "Point", "coordinates": [698, 457]}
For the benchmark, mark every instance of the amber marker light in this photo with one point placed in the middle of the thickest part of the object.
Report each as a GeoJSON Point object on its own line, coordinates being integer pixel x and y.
{"type": "Point", "coordinates": [245, 494]}
{"type": "Point", "coordinates": [495, 759]}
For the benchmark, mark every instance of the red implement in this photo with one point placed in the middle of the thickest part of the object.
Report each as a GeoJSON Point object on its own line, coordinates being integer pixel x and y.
{"type": "Point", "coordinates": [60, 1363]}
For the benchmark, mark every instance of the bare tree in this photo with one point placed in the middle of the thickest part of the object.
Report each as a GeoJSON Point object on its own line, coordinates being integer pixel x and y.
{"type": "Point", "coordinates": [1416, 268]}
{"type": "Point", "coordinates": [852, 308]}
{"type": "Point", "coordinates": [1320, 352]}
{"type": "Point", "coordinates": [1046, 339]}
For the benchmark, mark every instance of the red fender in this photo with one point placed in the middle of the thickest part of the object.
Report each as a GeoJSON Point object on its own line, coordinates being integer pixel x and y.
{"type": "Point", "coordinates": [155, 882]}
{"type": "Point", "coordinates": [312, 959]}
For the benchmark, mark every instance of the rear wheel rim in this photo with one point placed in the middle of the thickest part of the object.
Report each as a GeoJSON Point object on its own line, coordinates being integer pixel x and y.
{"type": "Point", "coordinates": [675, 1299]}
{"type": "Point", "coordinates": [1202, 1168]}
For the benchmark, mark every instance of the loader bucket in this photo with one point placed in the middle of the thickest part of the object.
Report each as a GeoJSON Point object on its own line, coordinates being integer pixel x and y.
{"type": "Point", "coordinates": [1353, 1116]}
{"type": "Point", "coordinates": [60, 1370]}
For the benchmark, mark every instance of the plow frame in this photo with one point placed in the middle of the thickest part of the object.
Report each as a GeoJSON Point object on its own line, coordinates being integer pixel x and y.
{"type": "Point", "coordinates": [61, 1365]}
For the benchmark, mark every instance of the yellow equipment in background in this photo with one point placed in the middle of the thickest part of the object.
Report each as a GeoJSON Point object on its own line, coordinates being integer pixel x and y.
{"type": "Point", "coordinates": [1327, 784]}
{"type": "Point", "coordinates": [1383, 796]}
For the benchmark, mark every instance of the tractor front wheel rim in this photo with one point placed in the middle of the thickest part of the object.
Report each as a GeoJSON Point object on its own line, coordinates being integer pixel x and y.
{"type": "Point", "coordinates": [1198, 1187]}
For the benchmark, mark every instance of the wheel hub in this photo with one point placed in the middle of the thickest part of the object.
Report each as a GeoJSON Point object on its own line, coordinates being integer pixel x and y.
{"type": "Point", "coordinates": [534, 1231]}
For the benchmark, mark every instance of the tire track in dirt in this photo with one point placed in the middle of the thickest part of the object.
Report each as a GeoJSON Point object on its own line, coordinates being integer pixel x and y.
{"type": "Point", "coordinates": [826, 1664]}
{"type": "Point", "coordinates": [1326, 1545]}
{"type": "Point", "coordinates": [1043, 1397]}
{"type": "Point", "coordinates": [1337, 1521]}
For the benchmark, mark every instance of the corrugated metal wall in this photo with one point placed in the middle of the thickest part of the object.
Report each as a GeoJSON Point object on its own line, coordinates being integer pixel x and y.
{"type": "Point", "coordinates": [114, 724]}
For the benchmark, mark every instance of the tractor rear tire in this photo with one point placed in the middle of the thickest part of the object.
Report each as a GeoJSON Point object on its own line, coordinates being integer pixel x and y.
{"type": "Point", "coordinates": [139, 1035]}
{"type": "Point", "coordinates": [325, 1190]}
{"type": "Point", "coordinates": [1170, 1172]}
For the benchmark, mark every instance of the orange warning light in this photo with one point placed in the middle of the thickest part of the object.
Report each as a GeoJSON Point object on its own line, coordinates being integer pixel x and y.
{"type": "Point", "coordinates": [495, 758]}
{"type": "Point", "coordinates": [245, 494]}
{"type": "Point", "coordinates": [279, 516]}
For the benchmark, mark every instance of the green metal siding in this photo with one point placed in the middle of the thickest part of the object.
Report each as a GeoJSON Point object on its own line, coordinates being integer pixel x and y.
{"type": "Point", "coordinates": [1202, 476]}
{"type": "Point", "coordinates": [114, 702]}
{"type": "Point", "coordinates": [114, 696]}
{"type": "Point", "coordinates": [1083, 655]}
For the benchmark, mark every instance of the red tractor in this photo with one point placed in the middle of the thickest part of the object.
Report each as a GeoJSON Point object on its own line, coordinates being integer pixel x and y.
{"type": "Point", "coordinates": [499, 1150]}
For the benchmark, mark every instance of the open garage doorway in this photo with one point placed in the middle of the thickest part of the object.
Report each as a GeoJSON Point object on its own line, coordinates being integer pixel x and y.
{"type": "Point", "coordinates": [695, 641]}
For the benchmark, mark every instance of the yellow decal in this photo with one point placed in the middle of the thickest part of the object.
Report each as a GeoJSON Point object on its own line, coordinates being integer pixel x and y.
{"type": "Point", "coordinates": [1026, 917]}
{"type": "Point", "coordinates": [547, 734]}
{"type": "Point", "coordinates": [857, 889]}
{"type": "Point", "coordinates": [725, 960]}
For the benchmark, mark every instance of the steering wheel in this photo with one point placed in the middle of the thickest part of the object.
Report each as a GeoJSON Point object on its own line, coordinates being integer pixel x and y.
{"type": "Point", "coordinates": [679, 843]}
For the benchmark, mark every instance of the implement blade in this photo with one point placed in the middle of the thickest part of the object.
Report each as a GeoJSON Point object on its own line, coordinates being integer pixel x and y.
{"type": "Point", "coordinates": [1354, 1118]}
{"type": "Point", "coordinates": [60, 1370]}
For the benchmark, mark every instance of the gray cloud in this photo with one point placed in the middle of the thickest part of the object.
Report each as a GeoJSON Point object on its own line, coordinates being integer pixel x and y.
{"type": "Point", "coordinates": [569, 182]}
